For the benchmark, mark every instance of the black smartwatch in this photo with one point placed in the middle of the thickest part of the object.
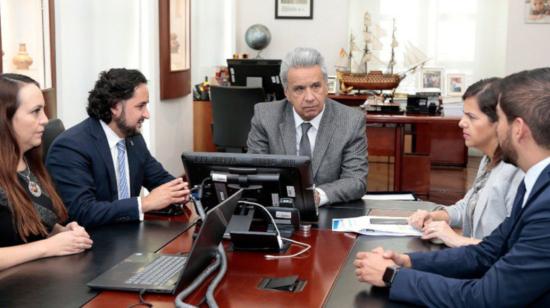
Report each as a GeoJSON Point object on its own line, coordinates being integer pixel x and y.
{"type": "Point", "coordinates": [389, 275]}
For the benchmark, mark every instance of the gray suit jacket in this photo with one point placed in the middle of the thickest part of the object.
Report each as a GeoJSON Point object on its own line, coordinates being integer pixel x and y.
{"type": "Point", "coordinates": [339, 163]}
{"type": "Point", "coordinates": [494, 203]}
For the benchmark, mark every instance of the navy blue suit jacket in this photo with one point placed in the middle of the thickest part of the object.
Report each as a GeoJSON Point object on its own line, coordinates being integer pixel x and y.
{"type": "Point", "coordinates": [509, 268]}
{"type": "Point", "coordinates": [81, 166]}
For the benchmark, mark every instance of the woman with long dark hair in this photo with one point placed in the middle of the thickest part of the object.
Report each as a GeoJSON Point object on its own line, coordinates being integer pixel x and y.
{"type": "Point", "coordinates": [489, 200]}
{"type": "Point", "coordinates": [30, 208]}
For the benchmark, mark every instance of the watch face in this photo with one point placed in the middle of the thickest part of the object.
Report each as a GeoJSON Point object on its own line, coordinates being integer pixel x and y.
{"type": "Point", "coordinates": [388, 275]}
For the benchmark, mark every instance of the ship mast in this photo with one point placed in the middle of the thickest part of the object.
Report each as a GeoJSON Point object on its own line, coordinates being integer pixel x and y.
{"type": "Point", "coordinates": [367, 54]}
{"type": "Point", "coordinates": [394, 44]}
{"type": "Point", "coordinates": [351, 48]}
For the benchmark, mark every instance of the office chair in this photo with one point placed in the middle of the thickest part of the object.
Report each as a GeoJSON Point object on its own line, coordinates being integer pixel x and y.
{"type": "Point", "coordinates": [51, 131]}
{"type": "Point", "coordinates": [232, 111]}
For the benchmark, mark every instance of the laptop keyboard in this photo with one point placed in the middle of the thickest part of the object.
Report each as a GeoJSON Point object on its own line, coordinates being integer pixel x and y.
{"type": "Point", "coordinates": [159, 271]}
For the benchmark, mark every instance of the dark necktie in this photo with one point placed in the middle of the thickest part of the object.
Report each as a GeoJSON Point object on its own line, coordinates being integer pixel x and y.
{"type": "Point", "coordinates": [305, 146]}
{"type": "Point", "coordinates": [518, 201]}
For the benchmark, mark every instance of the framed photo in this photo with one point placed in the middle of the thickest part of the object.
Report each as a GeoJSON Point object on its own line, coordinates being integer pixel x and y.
{"type": "Point", "coordinates": [431, 77]}
{"type": "Point", "coordinates": [456, 84]}
{"type": "Point", "coordinates": [332, 85]}
{"type": "Point", "coordinates": [174, 48]}
{"type": "Point", "coordinates": [537, 11]}
{"type": "Point", "coordinates": [293, 9]}
{"type": "Point", "coordinates": [179, 35]}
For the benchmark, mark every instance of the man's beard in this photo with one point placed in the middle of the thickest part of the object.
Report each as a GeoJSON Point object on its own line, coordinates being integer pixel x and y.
{"type": "Point", "coordinates": [124, 128]}
{"type": "Point", "coordinates": [509, 153]}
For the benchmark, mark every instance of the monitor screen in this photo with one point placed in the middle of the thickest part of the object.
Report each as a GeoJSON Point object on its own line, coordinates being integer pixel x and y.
{"type": "Point", "coordinates": [257, 73]}
{"type": "Point", "coordinates": [271, 180]}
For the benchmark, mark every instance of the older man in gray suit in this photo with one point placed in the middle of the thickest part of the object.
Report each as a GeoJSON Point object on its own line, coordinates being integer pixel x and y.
{"type": "Point", "coordinates": [307, 123]}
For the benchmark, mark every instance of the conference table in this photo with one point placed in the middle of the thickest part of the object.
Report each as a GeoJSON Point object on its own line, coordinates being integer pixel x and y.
{"type": "Point", "coordinates": [327, 268]}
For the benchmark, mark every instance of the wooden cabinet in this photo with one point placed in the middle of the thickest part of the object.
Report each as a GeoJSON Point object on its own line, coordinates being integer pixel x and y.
{"type": "Point", "coordinates": [443, 141]}
{"type": "Point", "coordinates": [202, 127]}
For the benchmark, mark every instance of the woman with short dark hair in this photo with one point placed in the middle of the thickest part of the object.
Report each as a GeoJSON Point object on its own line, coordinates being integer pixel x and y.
{"type": "Point", "coordinates": [30, 208]}
{"type": "Point", "coordinates": [489, 200]}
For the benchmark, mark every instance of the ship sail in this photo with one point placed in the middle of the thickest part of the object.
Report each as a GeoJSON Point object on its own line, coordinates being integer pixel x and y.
{"type": "Point", "coordinates": [413, 56]}
{"type": "Point", "coordinates": [360, 75]}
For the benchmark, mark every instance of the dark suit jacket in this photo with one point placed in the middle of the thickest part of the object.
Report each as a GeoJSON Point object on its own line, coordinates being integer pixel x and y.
{"type": "Point", "coordinates": [339, 159]}
{"type": "Point", "coordinates": [509, 268]}
{"type": "Point", "coordinates": [81, 166]}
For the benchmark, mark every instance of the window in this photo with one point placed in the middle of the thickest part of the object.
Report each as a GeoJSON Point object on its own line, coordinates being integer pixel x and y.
{"type": "Point", "coordinates": [458, 36]}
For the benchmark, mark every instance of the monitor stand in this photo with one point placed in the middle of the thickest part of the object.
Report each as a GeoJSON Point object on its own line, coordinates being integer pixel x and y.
{"type": "Point", "coordinates": [240, 222]}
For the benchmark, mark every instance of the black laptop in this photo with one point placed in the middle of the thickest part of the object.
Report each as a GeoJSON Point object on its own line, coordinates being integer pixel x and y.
{"type": "Point", "coordinates": [164, 273]}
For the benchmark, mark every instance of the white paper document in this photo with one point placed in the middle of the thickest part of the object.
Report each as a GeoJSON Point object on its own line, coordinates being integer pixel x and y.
{"type": "Point", "coordinates": [403, 197]}
{"type": "Point", "coordinates": [375, 225]}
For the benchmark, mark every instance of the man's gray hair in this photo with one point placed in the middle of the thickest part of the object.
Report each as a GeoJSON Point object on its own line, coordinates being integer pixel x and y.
{"type": "Point", "coordinates": [302, 57]}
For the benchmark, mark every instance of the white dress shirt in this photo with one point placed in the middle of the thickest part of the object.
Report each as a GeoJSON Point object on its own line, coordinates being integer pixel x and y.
{"type": "Point", "coordinates": [312, 135]}
{"type": "Point", "coordinates": [112, 140]}
{"type": "Point", "coordinates": [531, 177]}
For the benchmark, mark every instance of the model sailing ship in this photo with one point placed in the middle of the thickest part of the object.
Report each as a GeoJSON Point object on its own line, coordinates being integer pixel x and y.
{"type": "Point", "coordinates": [363, 79]}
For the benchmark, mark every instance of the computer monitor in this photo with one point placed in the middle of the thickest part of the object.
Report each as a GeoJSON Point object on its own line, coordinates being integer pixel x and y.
{"type": "Point", "coordinates": [271, 180]}
{"type": "Point", "coordinates": [257, 73]}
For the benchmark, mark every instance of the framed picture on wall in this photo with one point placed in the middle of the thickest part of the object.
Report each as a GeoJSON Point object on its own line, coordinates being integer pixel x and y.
{"type": "Point", "coordinates": [174, 48]}
{"type": "Point", "coordinates": [180, 17]}
{"type": "Point", "coordinates": [456, 84]}
{"type": "Point", "coordinates": [431, 77]}
{"type": "Point", "coordinates": [293, 9]}
{"type": "Point", "coordinates": [537, 11]}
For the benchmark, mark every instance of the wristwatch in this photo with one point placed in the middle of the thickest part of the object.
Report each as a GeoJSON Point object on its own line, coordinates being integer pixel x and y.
{"type": "Point", "coordinates": [389, 275]}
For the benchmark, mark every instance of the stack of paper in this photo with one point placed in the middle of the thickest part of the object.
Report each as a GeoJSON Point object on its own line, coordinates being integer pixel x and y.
{"type": "Point", "coordinates": [403, 197]}
{"type": "Point", "coordinates": [375, 225]}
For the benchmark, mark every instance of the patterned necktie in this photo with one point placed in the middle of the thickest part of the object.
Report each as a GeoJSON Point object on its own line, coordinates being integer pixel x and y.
{"type": "Point", "coordinates": [305, 146]}
{"type": "Point", "coordinates": [123, 190]}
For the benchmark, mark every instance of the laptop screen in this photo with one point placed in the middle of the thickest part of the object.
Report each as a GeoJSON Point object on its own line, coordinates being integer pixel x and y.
{"type": "Point", "coordinates": [210, 235]}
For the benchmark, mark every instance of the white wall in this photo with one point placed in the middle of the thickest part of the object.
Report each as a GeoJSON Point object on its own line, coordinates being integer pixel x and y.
{"type": "Point", "coordinates": [75, 74]}
{"type": "Point", "coordinates": [90, 39]}
{"type": "Point", "coordinates": [528, 45]}
{"type": "Point", "coordinates": [327, 32]}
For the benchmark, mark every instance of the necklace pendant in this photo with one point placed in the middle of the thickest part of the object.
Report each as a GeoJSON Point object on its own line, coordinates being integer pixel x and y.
{"type": "Point", "coordinates": [35, 189]}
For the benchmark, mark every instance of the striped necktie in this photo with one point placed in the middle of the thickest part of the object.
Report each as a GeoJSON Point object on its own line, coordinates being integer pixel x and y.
{"type": "Point", "coordinates": [123, 189]}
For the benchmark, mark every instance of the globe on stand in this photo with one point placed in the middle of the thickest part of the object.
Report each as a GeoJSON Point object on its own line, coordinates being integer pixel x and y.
{"type": "Point", "coordinates": [257, 37]}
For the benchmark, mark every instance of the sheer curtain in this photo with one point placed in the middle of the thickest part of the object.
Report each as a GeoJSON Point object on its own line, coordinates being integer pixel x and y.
{"type": "Point", "coordinates": [458, 36]}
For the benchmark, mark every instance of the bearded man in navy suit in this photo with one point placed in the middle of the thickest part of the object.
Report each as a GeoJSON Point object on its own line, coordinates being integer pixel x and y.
{"type": "Point", "coordinates": [511, 266]}
{"type": "Point", "coordinates": [100, 165]}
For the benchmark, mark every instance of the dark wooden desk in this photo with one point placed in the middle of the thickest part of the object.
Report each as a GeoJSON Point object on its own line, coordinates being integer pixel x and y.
{"type": "Point", "coordinates": [322, 267]}
{"type": "Point", "coordinates": [245, 271]}
{"type": "Point", "coordinates": [435, 140]}
{"type": "Point", "coordinates": [61, 282]}
{"type": "Point", "coordinates": [438, 136]}
{"type": "Point", "coordinates": [349, 292]}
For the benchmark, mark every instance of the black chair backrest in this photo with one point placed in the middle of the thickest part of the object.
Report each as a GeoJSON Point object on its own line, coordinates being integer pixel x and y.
{"type": "Point", "coordinates": [51, 131]}
{"type": "Point", "coordinates": [232, 110]}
